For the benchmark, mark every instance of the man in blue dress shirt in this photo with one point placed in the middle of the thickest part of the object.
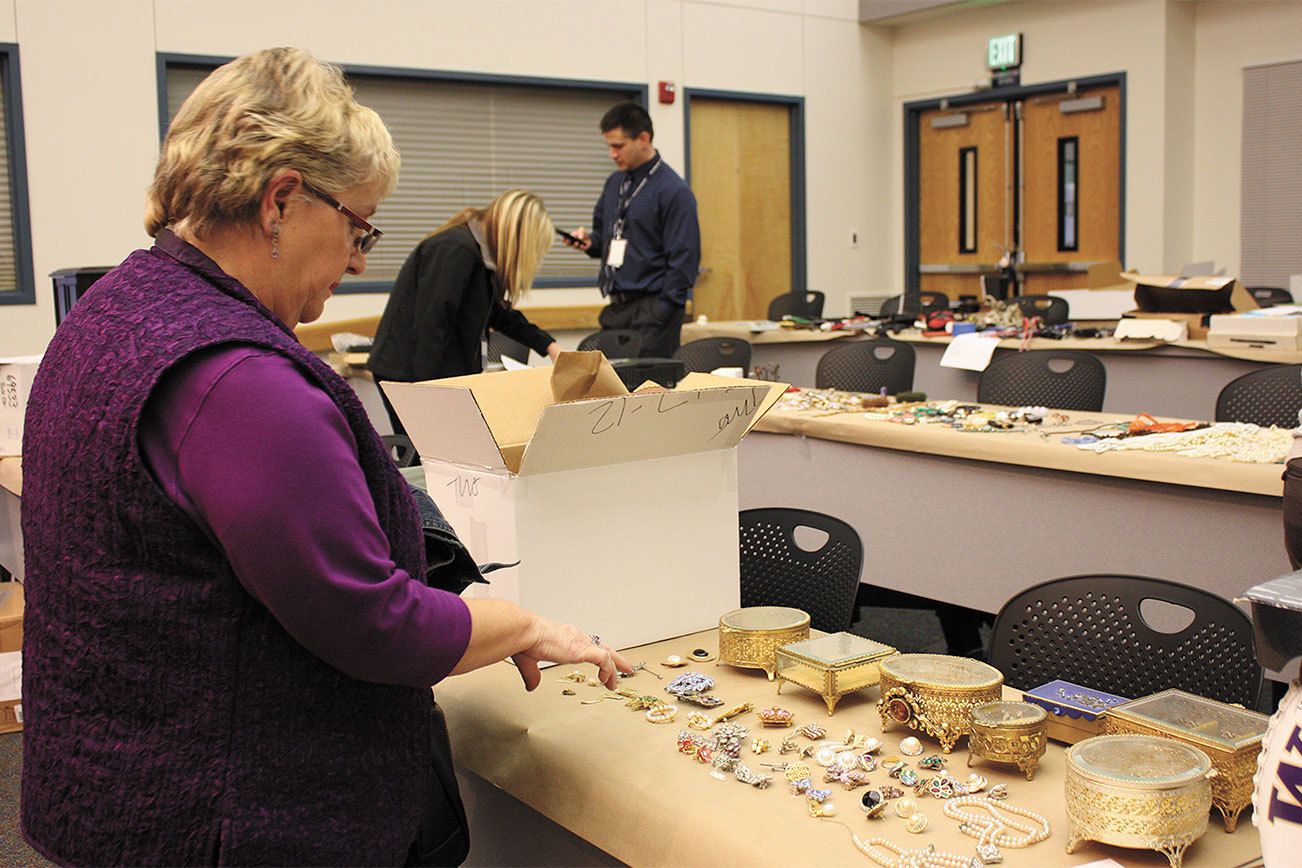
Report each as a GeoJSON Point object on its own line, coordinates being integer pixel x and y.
{"type": "Point", "coordinates": [645, 233]}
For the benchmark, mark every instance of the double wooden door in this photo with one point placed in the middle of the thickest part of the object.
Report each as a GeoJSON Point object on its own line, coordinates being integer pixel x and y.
{"type": "Point", "coordinates": [1037, 180]}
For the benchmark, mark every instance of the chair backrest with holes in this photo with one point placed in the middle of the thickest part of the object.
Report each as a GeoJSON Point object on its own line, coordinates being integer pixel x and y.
{"type": "Point", "coordinates": [1095, 631]}
{"type": "Point", "coordinates": [1030, 378]}
{"type": "Point", "coordinates": [1271, 396]}
{"type": "Point", "coordinates": [867, 366]}
{"type": "Point", "coordinates": [777, 571]}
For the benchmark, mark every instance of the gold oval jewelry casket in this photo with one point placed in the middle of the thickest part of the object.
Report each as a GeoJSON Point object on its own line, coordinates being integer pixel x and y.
{"type": "Point", "coordinates": [750, 637]}
{"type": "Point", "coordinates": [935, 693]}
{"type": "Point", "coordinates": [1009, 732]}
{"type": "Point", "coordinates": [1139, 791]}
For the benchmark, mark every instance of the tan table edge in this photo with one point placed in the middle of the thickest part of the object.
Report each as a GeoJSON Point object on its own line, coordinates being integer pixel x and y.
{"type": "Point", "coordinates": [1029, 450]}
{"type": "Point", "coordinates": [740, 329]}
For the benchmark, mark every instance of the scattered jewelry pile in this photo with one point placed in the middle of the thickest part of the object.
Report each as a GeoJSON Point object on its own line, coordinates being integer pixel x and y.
{"type": "Point", "coordinates": [1237, 441]}
{"type": "Point", "coordinates": [717, 741]}
{"type": "Point", "coordinates": [826, 401]}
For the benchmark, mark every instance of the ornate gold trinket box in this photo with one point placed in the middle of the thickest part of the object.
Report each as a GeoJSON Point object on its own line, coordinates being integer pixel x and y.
{"type": "Point", "coordinates": [750, 637]}
{"type": "Point", "coordinates": [935, 693]}
{"type": "Point", "coordinates": [1140, 791]}
{"type": "Point", "coordinates": [832, 665]}
{"type": "Point", "coordinates": [1230, 736]}
{"type": "Point", "coordinates": [1009, 732]}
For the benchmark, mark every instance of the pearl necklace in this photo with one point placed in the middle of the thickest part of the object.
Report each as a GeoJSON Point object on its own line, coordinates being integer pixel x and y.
{"type": "Point", "coordinates": [927, 857]}
{"type": "Point", "coordinates": [998, 827]}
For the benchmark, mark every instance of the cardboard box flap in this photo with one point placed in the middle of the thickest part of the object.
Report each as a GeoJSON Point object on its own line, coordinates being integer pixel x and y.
{"type": "Point", "coordinates": [694, 380]}
{"type": "Point", "coordinates": [11, 474]}
{"type": "Point", "coordinates": [1170, 293]}
{"type": "Point", "coordinates": [642, 426]}
{"type": "Point", "coordinates": [511, 402]}
{"type": "Point", "coordinates": [445, 422]}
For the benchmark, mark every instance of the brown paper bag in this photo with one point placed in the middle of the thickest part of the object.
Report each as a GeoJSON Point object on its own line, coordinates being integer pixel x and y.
{"type": "Point", "coordinates": [578, 376]}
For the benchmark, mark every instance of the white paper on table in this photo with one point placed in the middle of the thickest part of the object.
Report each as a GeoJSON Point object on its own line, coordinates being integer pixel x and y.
{"type": "Point", "coordinates": [1102, 863]}
{"type": "Point", "coordinates": [11, 676]}
{"type": "Point", "coordinates": [971, 352]}
{"type": "Point", "coordinates": [1096, 303]}
{"type": "Point", "coordinates": [1151, 330]}
{"type": "Point", "coordinates": [510, 364]}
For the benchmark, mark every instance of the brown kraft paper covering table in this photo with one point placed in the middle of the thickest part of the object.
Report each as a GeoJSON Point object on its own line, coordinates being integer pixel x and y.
{"type": "Point", "coordinates": [608, 776]}
{"type": "Point", "coordinates": [1181, 379]}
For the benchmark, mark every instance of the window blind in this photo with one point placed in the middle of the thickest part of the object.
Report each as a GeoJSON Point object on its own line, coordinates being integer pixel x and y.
{"type": "Point", "coordinates": [463, 143]}
{"type": "Point", "coordinates": [8, 249]}
{"type": "Point", "coordinates": [1271, 201]}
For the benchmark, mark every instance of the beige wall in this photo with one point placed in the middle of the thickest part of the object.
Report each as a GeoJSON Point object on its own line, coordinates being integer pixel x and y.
{"type": "Point", "coordinates": [89, 95]}
{"type": "Point", "coordinates": [1229, 36]}
{"type": "Point", "coordinates": [88, 69]}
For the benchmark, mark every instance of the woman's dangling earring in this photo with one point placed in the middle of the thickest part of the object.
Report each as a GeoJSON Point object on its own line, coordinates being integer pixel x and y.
{"type": "Point", "coordinates": [275, 239]}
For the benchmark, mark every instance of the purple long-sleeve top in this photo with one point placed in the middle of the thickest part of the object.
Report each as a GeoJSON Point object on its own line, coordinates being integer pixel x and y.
{"type": "Point", "coordinates": [265, 464]}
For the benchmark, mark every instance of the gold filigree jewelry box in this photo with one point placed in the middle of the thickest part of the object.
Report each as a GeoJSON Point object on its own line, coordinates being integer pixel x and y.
{"type": "Point", "coordinates": [750, 637]}
{"type": "Point", "coordinates": [1230, 736]}
{"type": "Point", "coordinates": [1138, 791]}
{"type": "Point", "coordinates": [1009, 732]}
{"type": "Point", "coordinates": [935, 694]}
{"type": "Point", "coordinates": [832, 665]}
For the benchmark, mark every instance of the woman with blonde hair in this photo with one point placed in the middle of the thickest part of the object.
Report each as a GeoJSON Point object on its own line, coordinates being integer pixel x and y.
{"type": "Point", "coordinates": [462, 280]}
{"type": "Point", "coordinates": [233, 615]}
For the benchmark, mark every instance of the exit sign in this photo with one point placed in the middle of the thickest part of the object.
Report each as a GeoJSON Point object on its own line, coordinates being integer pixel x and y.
{"type": "Point", "coordinates": [1004, 52]}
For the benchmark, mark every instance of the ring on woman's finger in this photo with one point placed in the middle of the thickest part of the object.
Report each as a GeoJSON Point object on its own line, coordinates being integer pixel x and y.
{"type": "Point", "coordinates": [596, 640]}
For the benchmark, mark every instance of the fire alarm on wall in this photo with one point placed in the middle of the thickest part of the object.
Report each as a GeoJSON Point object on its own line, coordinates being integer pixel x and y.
{"type": "Point", "coordinates": [667, 91]}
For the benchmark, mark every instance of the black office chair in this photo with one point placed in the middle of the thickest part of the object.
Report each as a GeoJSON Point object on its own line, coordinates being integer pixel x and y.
{"type": "Point", "coordinates": [1020, 379]}
{"type": "Point", "coordinates": [614, 343]}
{"type": "Point", "coordinates": [1271, 396]}
{"type": "Point", "coordinates": [808, 305]}
{"type": "Point", "coordinates": [707, 354]}
{"type": "Point", "coordinates": [500, 345]}
{"type": "Point", "coordinates": [401, 448]}
{"type": "Point", "coordinates": [777, 571]}
{"type": "Point", "coordinates": [867, 366]}
{"type": "Point", "coordinates": [1092, 631]}
{"type": "Point", "coordinates": [930, 303]}
{"type": "Point", "coordinates": [634, 372]}
{"type": "Point", "coordinates": [1269, 296]}
{"type": "Point", "coordinates": [1049, 308]}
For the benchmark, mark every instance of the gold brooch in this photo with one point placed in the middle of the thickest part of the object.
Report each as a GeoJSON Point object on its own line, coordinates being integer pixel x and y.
{"type": "Point", "coordinates": [775, 716]}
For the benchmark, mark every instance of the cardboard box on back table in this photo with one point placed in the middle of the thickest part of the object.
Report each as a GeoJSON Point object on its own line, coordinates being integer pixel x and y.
{"type": "Point", "coordinates": [1187, 299]}
{"type": "Point", "coordinates": [621, 508]}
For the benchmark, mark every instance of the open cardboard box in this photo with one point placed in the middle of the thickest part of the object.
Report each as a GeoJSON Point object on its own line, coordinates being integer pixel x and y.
{"type": "Point", "coordinates": [16, 375]}
{"type": "Point", "coordinates": [11, 683]}
{"type": "Point", "coordinates": [621, 508]}
{"type": "Point", "coordinates": [1187, 299]}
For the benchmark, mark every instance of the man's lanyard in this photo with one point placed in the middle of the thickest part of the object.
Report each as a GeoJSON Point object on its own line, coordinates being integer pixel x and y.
{"type": "Point", "coordinates": [625, 202]}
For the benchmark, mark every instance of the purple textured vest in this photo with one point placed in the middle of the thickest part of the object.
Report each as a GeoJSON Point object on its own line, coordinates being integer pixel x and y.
{"type": "Point", "coordinates": [170, 719]}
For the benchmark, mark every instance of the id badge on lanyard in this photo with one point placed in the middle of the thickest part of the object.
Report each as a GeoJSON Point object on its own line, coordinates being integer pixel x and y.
{"type": "Point", "coordinates": [619, 244]}
{"type": "Point", "coordinates": [615, 257]}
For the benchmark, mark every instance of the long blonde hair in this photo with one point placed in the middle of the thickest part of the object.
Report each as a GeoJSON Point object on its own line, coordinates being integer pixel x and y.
{"type": "Point", "coordinates": [518, 233]}
{"type": "Point", "coordinates": [276, 109]}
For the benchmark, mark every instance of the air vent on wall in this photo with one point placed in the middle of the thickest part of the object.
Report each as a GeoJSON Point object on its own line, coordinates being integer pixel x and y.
{"type": "Point", "coordinates": [868, 304]}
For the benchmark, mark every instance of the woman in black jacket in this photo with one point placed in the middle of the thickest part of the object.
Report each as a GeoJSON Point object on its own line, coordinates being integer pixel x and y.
{"type": "Point", "coordinates": [459, 282]}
